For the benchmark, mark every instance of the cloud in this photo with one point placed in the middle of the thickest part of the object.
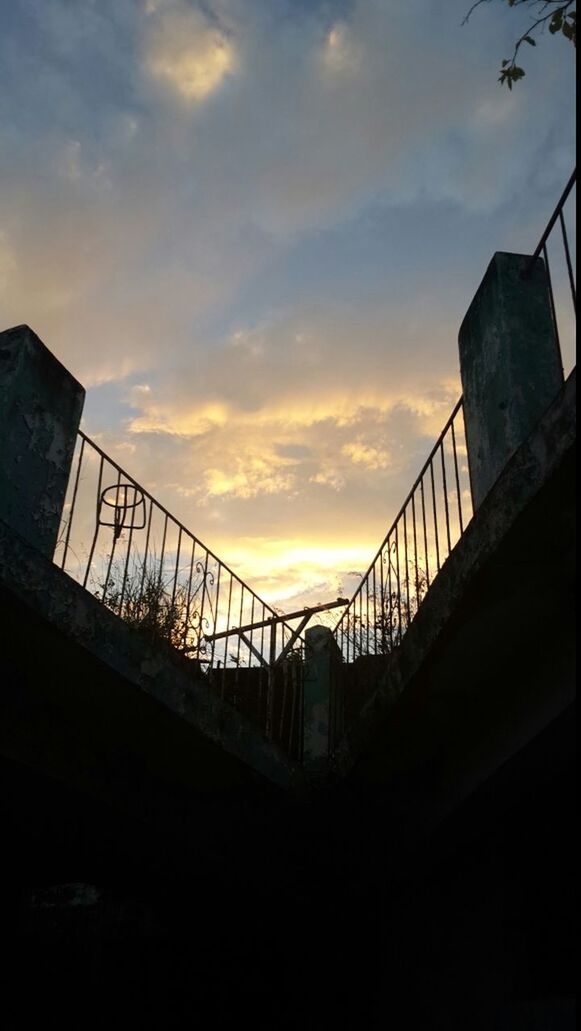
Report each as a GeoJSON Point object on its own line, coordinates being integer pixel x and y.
{"type": "Point", "coordinates": [252, 230]}
{"type": "Point", "coordinates": [328, 478]}
{"type": "Point", "coordinates": [255, 475]}
{"type": "Point", "coordinates": [365, 454]}
{"type": "Point", "coordinates": [189, 52]}
{"type": "Point", "coordinates": [341, 53]}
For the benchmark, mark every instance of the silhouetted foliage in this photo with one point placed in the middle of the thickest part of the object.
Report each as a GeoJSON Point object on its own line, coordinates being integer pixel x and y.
{"type": "Point", "coordinates": [559, 15]}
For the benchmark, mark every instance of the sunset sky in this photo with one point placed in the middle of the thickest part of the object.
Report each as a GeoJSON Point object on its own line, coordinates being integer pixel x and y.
{"type": "Point", "coordinates": [251, 228]}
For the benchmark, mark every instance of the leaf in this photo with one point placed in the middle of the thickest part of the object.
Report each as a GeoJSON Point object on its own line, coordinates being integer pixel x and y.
{"type": "Point", "coordinates": [511, 75]}
{"type": "Point", "coordinates": [530, 40]}
{"type": "Point", "coordinates": [556, 22]}
{"type": "Point", "coordinates": [569, 32]}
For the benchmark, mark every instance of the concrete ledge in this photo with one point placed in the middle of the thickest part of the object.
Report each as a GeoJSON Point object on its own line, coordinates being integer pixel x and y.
{"type": "Point", "coordinates": [523, 479]}
{"type": "Point", "coordinates": [72, 612]}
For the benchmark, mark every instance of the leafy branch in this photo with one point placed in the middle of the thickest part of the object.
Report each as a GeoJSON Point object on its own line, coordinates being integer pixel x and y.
{"type": "Point", "coordinates": [554, 13]}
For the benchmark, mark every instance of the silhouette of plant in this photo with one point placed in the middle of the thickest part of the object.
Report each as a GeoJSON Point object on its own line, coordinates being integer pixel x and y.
{"type": "Point", "coordinates": [156, 606]}
{"type": "Point", "coordinates": [388, 613]}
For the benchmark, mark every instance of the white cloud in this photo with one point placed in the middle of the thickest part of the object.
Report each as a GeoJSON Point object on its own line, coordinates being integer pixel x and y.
{"type": "Point", "coordinates": [260, 256]}
{"type": "Point", "coordinates": [189, 53]}
{"type": "Point", "coordinates": [341, 53]}
{"type": "Point", "coordinates": [366, 455]}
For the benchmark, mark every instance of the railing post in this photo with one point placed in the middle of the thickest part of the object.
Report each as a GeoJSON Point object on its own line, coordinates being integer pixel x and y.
{"type": "Point", "coordinates": [271, 685]}
{"type": "Point", "coordinates": [40, 410]}
{"type": "Point", "coordinates": [320, 698]}
{"type": "Point", "coordinates": [509, 364]}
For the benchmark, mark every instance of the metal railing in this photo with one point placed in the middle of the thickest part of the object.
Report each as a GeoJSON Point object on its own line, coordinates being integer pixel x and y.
{"type": "Point", "coordinates": [561, 272]}
{"type": "Point", "coordinates": [438, 508]}
{"type": "Point", "coordinates": [141, 562]}
{"type": "Point", "coordinates": [130, 552]}
{"type": "Point", "coordinates": [431, 520]}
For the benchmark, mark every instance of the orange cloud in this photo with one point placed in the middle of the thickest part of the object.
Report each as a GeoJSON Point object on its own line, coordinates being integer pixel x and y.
{"type": "Point", "coordinates": [366, 455]}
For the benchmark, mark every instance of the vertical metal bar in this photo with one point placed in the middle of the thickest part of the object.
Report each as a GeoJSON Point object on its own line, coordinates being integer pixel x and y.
{"type": "Point", "coordinates": [226, 639]}
{"type": "Point", "coordinates": [261, 673]}
{"type": "Point", "coordinates": [128, 555]}
{"type": "Point", "coordinates": [407, 568]}
{"type": "Point", "coordinates": [390, 593]}
{"type": "Point", "coordinates": [262, 618]}
{"type": "Point", "coordinates": [145, 550]}
{"type": "Point", "coordinates": [250, 652]}
{"type": "Point", "coordinates": [175, 579]}
{"type": "Point", "coordinates": [73, 503]}
{"type": "Point", "coordinates": [415, 535]}
{"type": "Point", "coordinates": [398, 583]}
{"type": "Point", "coordinates": [568, 260]}
{"type": "Point", "coordinates": [425, 531]}
{"type": "Point", "coordinates": [457, 475]}
{"type": "Point", "coordinates": [240, 624]}
{"type": "Point", "coordinates": [445, 486]}
{"type": "Point", "coordinates": [374, 597]}
{"type": "Point", "coordinates": [382, 602]}
{"type": "Point", "coordinates": [553, 309]}
{"type": "Point", "coordinates": [110, 563]}
{"type": "Point", "coordinates": [469, 473]}
{"type": "Point", "coordinates": [189, 595]}
{"type": "Point", "coordinates": [435, 515]}
{"type": "Point", "coordinates": [163, 540]}
{"type": "Point", "coordinates": [217, 613]}
{"type": "Point", "coordinates": [97, 513]}
{"type": "Point", "coordinates": [271, 684]}
{"type": "Point", "coordinates": [367, 616]}
{"type": "Point", "coordinates": [204, 589]}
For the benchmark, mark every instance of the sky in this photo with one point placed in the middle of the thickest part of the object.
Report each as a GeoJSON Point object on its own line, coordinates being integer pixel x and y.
{"type": "Point", "coordinates": [251, 229]}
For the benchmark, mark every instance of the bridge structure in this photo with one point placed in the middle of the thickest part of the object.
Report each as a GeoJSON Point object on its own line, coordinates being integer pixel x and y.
{"type": "Point", "coordinates": [149, 687]}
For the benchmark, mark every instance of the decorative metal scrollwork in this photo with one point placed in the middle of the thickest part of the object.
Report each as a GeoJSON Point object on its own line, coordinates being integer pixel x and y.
{"type": "Point", "coordinates": [128, 504]}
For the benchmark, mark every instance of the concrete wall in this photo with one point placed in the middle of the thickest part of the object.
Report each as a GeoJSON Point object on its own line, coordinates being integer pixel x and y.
{"type": "Point", "coordinates": [509, 363]}
{"type": "Point", "coordinates": [40, 410]}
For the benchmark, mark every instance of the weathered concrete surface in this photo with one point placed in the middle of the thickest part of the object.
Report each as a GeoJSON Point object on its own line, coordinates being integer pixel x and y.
{"type": "Point", "coordinates": [321, 659]}
{"type": "Point", "coordinates": [459, 934]}
{"type": "Point", "coordinates": [100, 669]}
{"type": "Point", "coordinates": [488, 661]}
{"type": "Point", "coordinates": [40, 410]}
{"type": "Point", "coordinates": [509, 364]}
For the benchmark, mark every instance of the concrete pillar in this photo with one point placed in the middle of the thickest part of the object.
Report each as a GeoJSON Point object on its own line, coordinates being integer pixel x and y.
{"type": "Point", "coordinates": [509, 364]}
{"type": "Point", "coordinates": [40, 410]}
{"type": "Point", "coordinates": [321, 682]}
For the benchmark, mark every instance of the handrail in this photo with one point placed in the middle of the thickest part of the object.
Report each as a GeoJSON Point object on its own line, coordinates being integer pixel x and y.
{"type": "Point", "coordinates": [141, 562]}
{"type": "Point", "coordinates": [433, 516]}
{"type": "Point", "coordinates": [392, 588]}
{"type": "Point", "coordinates": [556, 213]}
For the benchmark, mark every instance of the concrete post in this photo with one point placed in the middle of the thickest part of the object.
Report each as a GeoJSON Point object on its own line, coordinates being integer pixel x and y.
{"type": "Point", "coordinates": [322, 657]}
{"type": "Point", "coordinates": [40, 410]}
{"type": "Point", "coordinates": [509, 364]}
